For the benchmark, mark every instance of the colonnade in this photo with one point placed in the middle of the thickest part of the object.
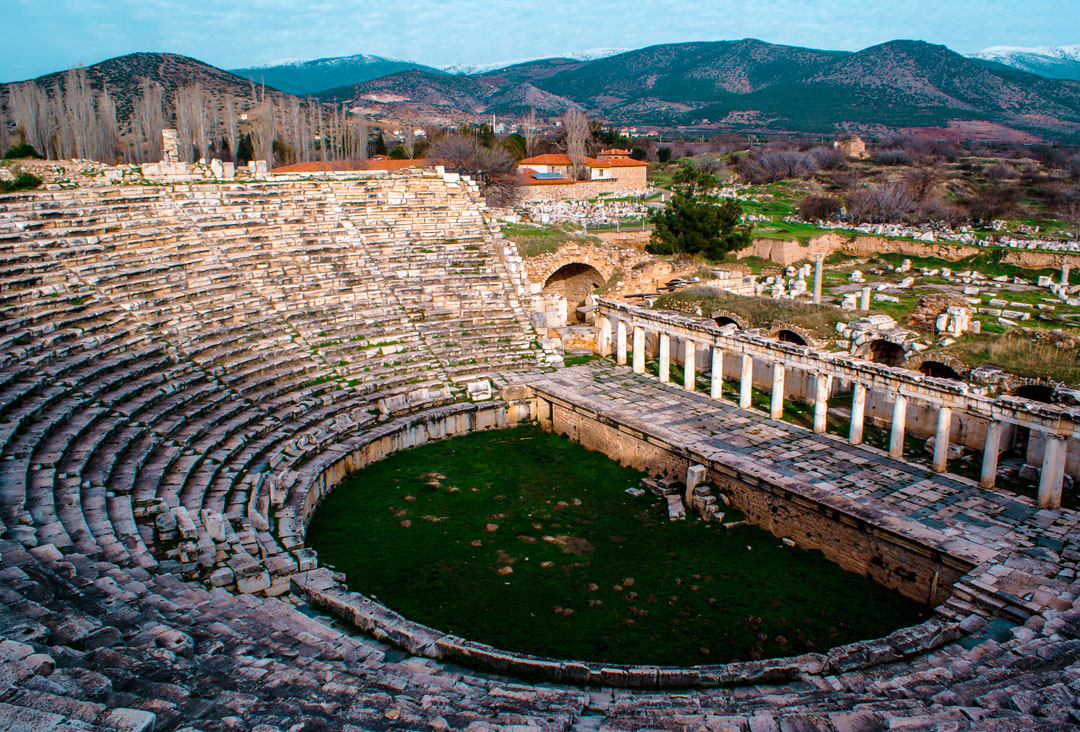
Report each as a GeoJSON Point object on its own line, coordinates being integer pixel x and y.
{"type": "Point", "coordinates": [1054, 458]}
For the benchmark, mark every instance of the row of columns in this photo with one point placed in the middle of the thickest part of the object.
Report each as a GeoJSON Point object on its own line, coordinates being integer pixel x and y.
{"type": "Point", "coordinates": [1053, 465]}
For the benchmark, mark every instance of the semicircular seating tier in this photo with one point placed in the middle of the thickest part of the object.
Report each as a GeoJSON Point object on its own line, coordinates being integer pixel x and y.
{"type": "Point", "coordinates": [171, 357]}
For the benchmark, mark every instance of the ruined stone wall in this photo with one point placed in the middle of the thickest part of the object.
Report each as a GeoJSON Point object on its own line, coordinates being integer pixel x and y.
{"type": "Point", "coordinates": [785, 251]}
{"type": "Point", "coordinates": [640, 272]}
{"type": "Point", "coordinates": [581, 190]}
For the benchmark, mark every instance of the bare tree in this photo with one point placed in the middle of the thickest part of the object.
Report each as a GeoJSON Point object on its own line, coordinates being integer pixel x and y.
{"type": "Point", "coordinates": [529, 132]}
{"type": "Point", "coordinates": [409, 143]}
{"type": "Point", "coordinates": [149, 120]}
{"type": "Point", "coordinates": [262, 124]}
{"type": "Point", "coordinates": [922, 180]}
{"type": "Point", "coordinates": [192, 121]}
{"type": "Point", "coordinates": [108, 128]}
{"type": "Point", "coordinates": [882, 204]}
{"type": "Point", "coordinates": [229, 128]}
{"type": "Point", "coordinates": [492, 169]}
{"type": "Point", "coordinates": [5, 140]}
{"type": "Point", "coordinates": [31, 112]}
{"type": "Point", "coordinates": [357, 134]}
{"type": "Point", "coordinates": [576, 125]}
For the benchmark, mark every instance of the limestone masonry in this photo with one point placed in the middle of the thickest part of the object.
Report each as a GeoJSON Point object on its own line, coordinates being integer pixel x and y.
{"type": "Point", "coordinates": [187, 368]}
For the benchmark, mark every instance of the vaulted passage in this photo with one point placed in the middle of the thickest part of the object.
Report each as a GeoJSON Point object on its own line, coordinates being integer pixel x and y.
{"type": "Point", "coordinates": [575, 281]}
{"type": "Point", "coordinates": [885, 352]}
{"type": "Point", "coordinates": [939, 370]}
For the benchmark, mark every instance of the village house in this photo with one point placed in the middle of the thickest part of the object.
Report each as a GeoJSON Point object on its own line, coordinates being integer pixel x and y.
{"type": "Point", "coordinates": [610, 172]}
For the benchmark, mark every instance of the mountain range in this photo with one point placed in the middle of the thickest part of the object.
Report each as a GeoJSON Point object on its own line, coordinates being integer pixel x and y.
{"type": "Point", "coordinates": [738, 85]}
{"type": "Point", "coordinates": [752, 84]}
{"type": "Point", "coordinates": [1055, 62]}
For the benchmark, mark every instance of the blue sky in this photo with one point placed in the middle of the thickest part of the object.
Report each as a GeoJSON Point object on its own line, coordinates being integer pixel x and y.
{"type": "Point", "coordinates": [51, 35]}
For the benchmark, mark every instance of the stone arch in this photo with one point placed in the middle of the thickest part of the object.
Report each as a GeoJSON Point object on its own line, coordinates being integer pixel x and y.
{"type": "Point", "coordinates": [726, 317]}
{"type": "Point", "coordinates": [791, 333]}
{"type": "Point", "coordinates": [1036, 392]}
{"type": "Point", "coordinates": [560, 260]}
{"type": "Point", "coordinates": [937, 365]}
{"type": "Point", "coordinates": [882, 351]}
{"type": "Point", "coordinates": [575, 281]}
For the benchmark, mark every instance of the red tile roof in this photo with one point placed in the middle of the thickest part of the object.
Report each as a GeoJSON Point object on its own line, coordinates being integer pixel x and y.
{"type": "Point", "coordinates": [343, 166]}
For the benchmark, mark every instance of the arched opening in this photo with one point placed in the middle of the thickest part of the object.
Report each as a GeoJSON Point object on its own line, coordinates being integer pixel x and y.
{"type": "Point", "coordinates": [790, 336]}
{"type": "Point", "coordinates": [722, 320]}
{"type": "Point", "coordinates": [574, 281]}
{"type": "Point", "coordinates": [939, 370]}
{"type": "Point", "coordinates": [1034, 392]}
{"type": "Point", "coordinates": [885, 352]}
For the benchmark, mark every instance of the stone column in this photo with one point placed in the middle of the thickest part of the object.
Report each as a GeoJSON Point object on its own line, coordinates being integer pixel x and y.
{"type": "Point", "coordinates": [1064, 274]}
{"type": "Point", "coordinates": [746, 381]}
{"type": "Point", "coordinates": [822, 387]}
{"type": "Point", "coordinates": [864, 300]}
{"type": "Point", "coordinates": [603, 338]}
{"type": "Point", "coordinates": [665, 357]}
{"type": "Point", "coordinates": [858, 410]}
{"type": "Point", "coordinates": [991, 449]}
{"type": "Point", "coordinates": [941, 439]}
{"type": "Point", "coordinates": [896, 437]}
{"type": "Point", "coordinates": [818, 260]}
{"type": "Point", "coordinates": [776, 405]}
{"type": "Point", "coordinates": [620, 344]}
{"type": "Point", "coordinates": [716, 378]}
{"type": "Point", "coordinates": [1053, 472]}
{"type": "Point", "coordinates": [639, 349]}
{"type": "Point", "coordinates": [689, 368]}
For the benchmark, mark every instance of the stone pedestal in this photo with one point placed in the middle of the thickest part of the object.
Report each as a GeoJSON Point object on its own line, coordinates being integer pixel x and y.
{"type": "Point", "coordinates": [716, 377]}
{"type": "Point", "coordinates": [1052, 474]}
{"type": "Point", "coordinates": [639, 350]}
{"type": "Point", "coordinates": [991, 449]}
{"type": "Point", "coordinates": [665, 357]}
{"type": "Point", "coordinates": [822, 387]}
{"type": "Point", "coordinates": [941, 439]}
{"type": "Point", "coordinates": [746, 381]}
{"type": "Point", "coordinates": [689, 365]}
{"type": "Point", "coordinates": [896, 437]}
{"type": "Point", "coordinates": [776, 405]}
{"type": "Point", "coordinates": [858, 413]}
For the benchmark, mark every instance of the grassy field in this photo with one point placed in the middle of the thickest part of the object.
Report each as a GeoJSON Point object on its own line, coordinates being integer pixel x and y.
{"type": "Point", "coordinates": [760, 312]}
{"type": "Point", "coordinates": [532, 241]}
{"type": "Point", "coordinates": [527, 541]}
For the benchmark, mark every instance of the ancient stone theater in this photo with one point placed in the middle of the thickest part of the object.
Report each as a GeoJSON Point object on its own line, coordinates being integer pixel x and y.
{"type": "Point", "coordinates": [189, 367]}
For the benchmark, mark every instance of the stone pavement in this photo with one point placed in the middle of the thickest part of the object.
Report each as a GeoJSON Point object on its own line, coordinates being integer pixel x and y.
{"type": "Point", "coordinates": [989, 525]}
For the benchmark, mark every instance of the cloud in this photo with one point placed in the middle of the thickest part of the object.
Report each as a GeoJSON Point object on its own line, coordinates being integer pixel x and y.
{"type": "Point", "coordinates": [56, 35]}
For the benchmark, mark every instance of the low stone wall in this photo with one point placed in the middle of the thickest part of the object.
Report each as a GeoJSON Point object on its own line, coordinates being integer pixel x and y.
{"type": "Point", "coordinates": [848, 534]}
{"type": "Point", "coordinates": [786, 251]}
{"type": "Point", "coordinates": [326, 590]}
{"type": "Point", "coordinates": [581, 190]}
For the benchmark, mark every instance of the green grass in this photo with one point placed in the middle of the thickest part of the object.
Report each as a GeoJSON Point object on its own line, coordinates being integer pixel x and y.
{"type": "Point", "coordinates": [760, 312]}
{"type": "Point", "coordinates": [532, 241]}
{"type": "Point", "coordinates": [594, 574]}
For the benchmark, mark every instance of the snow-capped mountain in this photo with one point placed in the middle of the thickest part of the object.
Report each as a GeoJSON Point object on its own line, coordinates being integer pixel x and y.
{"type": "Point", "coordinates": [1055, 62]}
{"type": "Point", "coordinates": [300, 77]}
{"type": "Point", "coordinates": [586, 55]}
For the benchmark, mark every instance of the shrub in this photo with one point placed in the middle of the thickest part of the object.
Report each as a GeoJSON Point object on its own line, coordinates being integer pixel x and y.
{"type": "Point", "coordinates": [663, 154]}
{"type": "Point", "coordinates": [892, 157]}
{"type": "Point", "coordinates": [639, 153]}
{"type": "Point", "coordinates": [772, 166]}
{"type": "Point", "coordinates": [820, 208]}
{"type": "Point", "coordinates": [997, 172]}
{"type": "Point", "coordinates": [22, 150]}
{"type": "Point", "coordinates": [883, 204]}
{"type": "Point", "coordinates": [829, 158]}
{"type": "Point", "coordinates": [23, 181]}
